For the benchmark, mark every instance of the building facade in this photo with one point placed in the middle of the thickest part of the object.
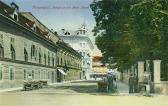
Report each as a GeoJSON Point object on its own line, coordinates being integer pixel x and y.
{"type": "Point", "coordinates": [27, 47]}
{"type": "Point", "coordinates": [80, 41]}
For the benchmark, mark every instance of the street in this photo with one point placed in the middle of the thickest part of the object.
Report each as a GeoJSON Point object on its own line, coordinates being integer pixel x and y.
{"type": "Point", "coordinates": [78, 94]}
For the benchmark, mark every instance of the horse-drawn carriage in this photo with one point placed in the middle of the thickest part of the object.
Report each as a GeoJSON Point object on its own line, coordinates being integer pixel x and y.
{"type": "Point", "coordinates": [30, 85]}
{"type": "Point", "coordinates": [102, 86]}
{"type": "Point", "coordinates": [108, 83]}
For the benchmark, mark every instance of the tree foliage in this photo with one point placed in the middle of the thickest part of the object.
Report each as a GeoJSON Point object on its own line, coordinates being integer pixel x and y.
{"type": "Point", "coordinates": [131, 30]}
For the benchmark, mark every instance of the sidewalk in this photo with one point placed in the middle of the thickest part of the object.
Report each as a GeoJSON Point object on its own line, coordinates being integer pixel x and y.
{"type": "Point", "coordinates": [122, 88]}
{"type": "Point", "coordinates": [20, 88]}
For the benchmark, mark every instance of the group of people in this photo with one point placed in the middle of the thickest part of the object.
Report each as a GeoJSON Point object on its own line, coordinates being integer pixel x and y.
{"type": "Point", "coordinates": [133, 83]}
{"type": "Point", "coordinates": [112, 81]}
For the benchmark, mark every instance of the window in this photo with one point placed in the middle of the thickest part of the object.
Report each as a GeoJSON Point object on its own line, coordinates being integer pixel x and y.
{"type": "Point", "coordinates": [58, 60]}
{"type": "Point", "coordinates": [48, 75]}
{"type": "Point", "coordinates": [48, 58]}
{"type": "Point", "coordinates": [15, 17]}
{"type": "Point", "coordinates": [1, 36]}
{"type": "Point", "coordinates": [12, 40]}
{"type": "Point", "coordinates": [61, 61]}
{"type": "Point", "coordinates": [34, 27]}
{"type": "Point", "coordinates": [32, 51]}
{"type": "Point", "coordinates": [84, 32]}
{"type": "Point", "coordinates": [11, 73]}
{"type": "Point", "coordinates": [1, 72]}
{"type": "Point", "coordinates": [45, 74]}
{"type": "Point", "coordinates": [83, 45]}
{"type": "Point", "coordinates": [13, 55]}
{"type": "Point", "coordinates": [52, 60]}
{"type": "Point", "coordinates": [39, 74]}
{"type": "Point", "coordinates": [1, 51]}
{"type": "Point", "coordinates": [40, 55]}
{"type": "Point", "coordinates": [25, 55]}
{"type": "Point", "coordinates": [80, 44]}
{"type": "Point", "coordinates": [45, 59]}
{"type": "Point", "coordinates": [32, 74]}
{"type": "Point", "coordinates": [24, 74]}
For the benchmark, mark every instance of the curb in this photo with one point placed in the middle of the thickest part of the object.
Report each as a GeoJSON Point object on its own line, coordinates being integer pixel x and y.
{"type": "Point", "coordinates": [10, 89]}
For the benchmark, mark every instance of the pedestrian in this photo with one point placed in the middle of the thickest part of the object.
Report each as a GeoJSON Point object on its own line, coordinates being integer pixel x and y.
{"type": "Point", "coordinates": [115, 82]}
{"type": "Point", "coordinates": [110, 82]}
{"type": "Point", "coordinates": [135, 83]}
{"type": "Point", "coordinates": [131, 84]}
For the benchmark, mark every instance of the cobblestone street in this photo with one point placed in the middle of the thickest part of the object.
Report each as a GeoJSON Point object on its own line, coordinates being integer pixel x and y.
{"type": "Point", "coordinates": [77, 94]}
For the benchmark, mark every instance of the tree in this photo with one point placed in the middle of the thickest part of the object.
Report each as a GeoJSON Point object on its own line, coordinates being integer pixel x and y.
{"type": "Point", "coordinates": [131, 30]}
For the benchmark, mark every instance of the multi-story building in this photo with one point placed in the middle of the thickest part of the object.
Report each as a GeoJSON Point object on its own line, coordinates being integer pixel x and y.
{"type": "Point", "coordinates": [80, 41]}
{"type": "Point", "coordinates": [27, 47]}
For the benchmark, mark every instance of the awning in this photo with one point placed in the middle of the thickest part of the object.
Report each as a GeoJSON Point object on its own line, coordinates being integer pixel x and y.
{"type": "Point", "coordinates": [61, 71]}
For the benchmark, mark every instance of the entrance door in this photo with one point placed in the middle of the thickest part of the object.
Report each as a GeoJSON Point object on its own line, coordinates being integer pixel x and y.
{"type": "Point", "coordinates": [52, 77]}
{"type": "Point", "coordinates": [58, 76]}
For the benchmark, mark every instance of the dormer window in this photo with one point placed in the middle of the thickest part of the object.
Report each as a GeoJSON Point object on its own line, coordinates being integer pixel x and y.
{"type": "Point", "coordinates": [67, 33]}
{"type": "Point", "coordinates": [34, 27]}
{"type": "Point", "coordinates": [15, 17]}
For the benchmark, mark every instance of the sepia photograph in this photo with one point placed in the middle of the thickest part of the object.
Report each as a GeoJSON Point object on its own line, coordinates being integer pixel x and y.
{"type": "Point", "coordinates": [83, 52]}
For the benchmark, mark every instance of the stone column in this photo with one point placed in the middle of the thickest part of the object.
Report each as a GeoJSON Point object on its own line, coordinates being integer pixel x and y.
{"type": "Point", "coordinates": [140, 71]}
{"type": "Point", "coordinates": [157, 69]}
{"type": "Point", "coordinates": [156, 64]}
{"type": "Point", "coordinates": [132, 69]}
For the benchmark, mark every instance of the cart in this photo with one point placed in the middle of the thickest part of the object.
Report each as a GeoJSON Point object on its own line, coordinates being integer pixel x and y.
{"type": "Point", "coordinates": [102, 86]}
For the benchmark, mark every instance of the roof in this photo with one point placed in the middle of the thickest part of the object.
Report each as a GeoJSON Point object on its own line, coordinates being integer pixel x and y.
{"type": "Point", "coordinates": [5, 9]}
{"type": "Point", "coordinates": [27, 20]}
{"type": "Point", "coordinates": [97, 58]}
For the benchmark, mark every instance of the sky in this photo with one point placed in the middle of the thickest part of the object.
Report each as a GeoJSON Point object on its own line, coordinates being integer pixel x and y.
{"type": "Point", "coordinates": [60, 14]}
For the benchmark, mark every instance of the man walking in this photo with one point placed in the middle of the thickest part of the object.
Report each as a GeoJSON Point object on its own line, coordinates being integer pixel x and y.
{"type": "Point", "coordinates": [131, 84]}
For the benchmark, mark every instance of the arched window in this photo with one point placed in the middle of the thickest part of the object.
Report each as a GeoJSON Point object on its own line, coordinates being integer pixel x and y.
{"type": "Point", "coordinates": [25, 55]}
{"type": "Point", "coordinates": [1, 51]}
{"type": "Point", "coordinates": [13, 55]}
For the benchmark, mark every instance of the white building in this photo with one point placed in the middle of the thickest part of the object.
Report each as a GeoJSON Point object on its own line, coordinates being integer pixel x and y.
{"type": "Point", "coordinates": [80, 41]}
